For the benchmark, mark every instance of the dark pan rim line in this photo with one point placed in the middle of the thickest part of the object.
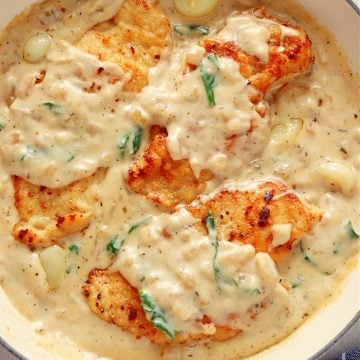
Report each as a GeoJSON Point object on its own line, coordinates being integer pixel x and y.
{"type": "Point", "coordinates": [14, 352]}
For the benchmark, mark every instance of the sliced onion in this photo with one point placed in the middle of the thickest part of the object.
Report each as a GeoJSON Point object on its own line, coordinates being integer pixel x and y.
{"type": "Point", "coordinates": [195, 8]}
{"type": "Point", "coordinates": [36, 47]}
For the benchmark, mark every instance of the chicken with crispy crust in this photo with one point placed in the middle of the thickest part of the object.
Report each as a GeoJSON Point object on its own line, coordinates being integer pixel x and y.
{"type": "Point", "coordinates": [169, 182]}
{"type": "Point", "coordinates": [112, 298]}
{"type": "Point", "coordinates": [162, 179]}
{"type": "Point", "coordinates": [47, 215]}
{"type": "Point", "coordinates": [134, 39]}
{"type": "Point", "coordinates": [240, 215]}
{"type": "Point", "coordinates": [288, 57]}
{"type": "Point", "coordinates": [248, 216]}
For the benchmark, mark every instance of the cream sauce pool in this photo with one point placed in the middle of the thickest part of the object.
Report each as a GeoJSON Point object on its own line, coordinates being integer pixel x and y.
{"type": "Point", "coordinates": [292, 144]}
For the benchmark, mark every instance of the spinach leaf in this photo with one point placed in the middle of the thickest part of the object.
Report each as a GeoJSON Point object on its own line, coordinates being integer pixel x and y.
{"type": "Point", "coordinates": [208, 77]}
{"type": "Point", "coordinates": [74, 249]}
{"type": "Point", "coordinates": [137, 140]}
{"type": "Point", "coordinates": [191, 29]}
{"type": "Point", "coordinates": [123, 144]}
{"type": "Point", "coordinates": [139, 224]}
{"type": "Point", "coordinates": [115, 245]}
{"type": "Point", "coordinates": [352, 234]}
{"type": "Point", "coordinates": [219, 276]}
{"type": "Point", "coordinates": [55, 108]}
{"type": "Point", "coordinates": [156, 314]}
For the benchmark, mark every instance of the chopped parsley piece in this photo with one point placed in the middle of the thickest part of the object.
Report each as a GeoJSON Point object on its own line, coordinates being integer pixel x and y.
{"type": "Point", "coordinates": [156, 314]}
{"type": "Point", "coordinates": [137, 140]}
{"type": "Point", "coordinates": [352, 234]}
{"type": "Point", "coordinates": [54, 108]}
{"type": "Point", "coordinates": [68, 269]}
{"type": "Point", "coordinates": [310, 260]}
{"type": "Point", "coordinates": [74, 249]}
{"type": "Point", "coordinates": [306, 257]}
{"type": "Point", "coordinates": [71, 157]}
{"type": "Point", "coordinates": [2, 126]}
{"type": "Point", "coordinates": [115, 245]}
{"type": "Point", "coordinates": [208, 69]}
{"type": "Point", "coordinates": [298, 282]}
{"type": "Point", "coordinates": [123, 144]}
{"type": "Point", "coordinates": [191, 29]}
{"type": "Point", "coordinates": [253, 291]}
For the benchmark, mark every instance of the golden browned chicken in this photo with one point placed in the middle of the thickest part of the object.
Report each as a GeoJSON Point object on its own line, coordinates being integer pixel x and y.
{"type": "Point", "coordinates": [289, 56]}
{"type": "Point", "coordinates": [163, 180]}
{"type": "Point", "coordinates": [134, 39]}
{"type": "Point", "coordinates": [47, 215]}
{"type": "Point", "coordinates": [113, 299]}
{"type": "Point", "coordinates": [240, 215]}
{"type": "Point", "coordinates": [248, 216]}
{"type": "Point", "coordinates": [169, 182]}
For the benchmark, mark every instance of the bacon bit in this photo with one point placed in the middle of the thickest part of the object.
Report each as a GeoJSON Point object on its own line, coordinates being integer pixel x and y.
{"type": "Point", "coordinates": [42, 188]}
{"type": "Point", "coordinates": [59, 220]}
{"type": "Point", "coordinates": [100, 70]}
{"type": "Point", "coordinates": [263, 217]}
{"type": "Point", "coordinates": [72, 217]}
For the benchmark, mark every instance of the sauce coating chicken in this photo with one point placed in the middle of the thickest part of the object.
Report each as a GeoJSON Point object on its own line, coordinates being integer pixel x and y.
{"type": "Point", "coordinates": [165, 181]}
{"type": "Point", "coordinates": [288, 56]}
{"type": "Point", "coordinates": [246, 216]}
{"type": "Point", "coordinates": [113, 299]}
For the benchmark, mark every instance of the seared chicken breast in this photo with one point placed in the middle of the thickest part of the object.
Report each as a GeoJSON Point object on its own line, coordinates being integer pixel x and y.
{"type": "Point", "coordinates": [47, 215]}
{"type": "Point", "coordinates": [134, 39]}
{"type": "Point", "coordinates": [247, 216]}
{"type": "Point", "coordinates": [289, 56]}
{"type": "Point", "coordinates": [112, 298]}
{"type": "Point", "coordinates": [163, 180]}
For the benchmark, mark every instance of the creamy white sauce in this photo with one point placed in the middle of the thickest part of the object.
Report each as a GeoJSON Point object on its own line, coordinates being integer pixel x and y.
{"type": "Point", "coordinates": [252, 34]}
{"type": "Point", "coordinates": [183, 282]}
{"type": "Point", "coordinates": [179, 102]}
{"type": "Point", "coordinates": [326, 100]}
{"type": "Point", "coordinates": [58, 128]}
